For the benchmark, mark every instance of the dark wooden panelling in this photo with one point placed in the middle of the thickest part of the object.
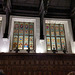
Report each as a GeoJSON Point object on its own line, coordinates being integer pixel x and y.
{"type": "Point", "coordinates": [37, 64]}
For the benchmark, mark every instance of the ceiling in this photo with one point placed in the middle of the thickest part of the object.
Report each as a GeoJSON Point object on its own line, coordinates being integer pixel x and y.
{"type": "Point", "coordinates": [53, 8]}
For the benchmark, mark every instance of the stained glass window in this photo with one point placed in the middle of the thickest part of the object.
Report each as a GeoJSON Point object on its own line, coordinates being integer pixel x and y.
{"type": "Point", "coordinates": [48, 43]}
{"type": "Point", "coordinates": [47, 30]}
{"type": "Point", "coordinates": [23, 35]}
{"type": "Point", "coordinates": [55, 37]}
{"type": "Point", "coordinates": [53, 43]}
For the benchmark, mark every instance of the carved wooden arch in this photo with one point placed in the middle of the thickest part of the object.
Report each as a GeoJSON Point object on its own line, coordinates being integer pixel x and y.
{"type": "Point", "coordinates": [71, 73]}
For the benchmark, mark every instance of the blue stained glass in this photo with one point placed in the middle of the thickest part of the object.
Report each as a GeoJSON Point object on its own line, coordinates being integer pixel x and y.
{"type": "Point", "coordinates": [26, 42]}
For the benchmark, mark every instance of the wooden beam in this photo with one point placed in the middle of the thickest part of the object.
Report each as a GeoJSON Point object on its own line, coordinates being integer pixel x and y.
{"type": "Point", "coordinates": [25, 11]}
{"type": "Point", "coordinates": [7, 9]}
{"type": "Point", "coordinates": [43, 11]}
{"type": "Point", "coordinates": [7, 23]}
{"type": "Point", "coordinates": [41, 25]}
{"type": "Point", "coordinates": [41, 19]}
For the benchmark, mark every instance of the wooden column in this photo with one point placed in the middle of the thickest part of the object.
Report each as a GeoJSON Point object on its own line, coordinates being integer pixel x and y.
{"type": "Point", "coordinates": [6, 8]}
{"type": "Point", "coordinates": [41, 25]}
{"type": "Point", "coordinates": [7, 23]}
{"type": "Point", "coordinates": [43, 11]}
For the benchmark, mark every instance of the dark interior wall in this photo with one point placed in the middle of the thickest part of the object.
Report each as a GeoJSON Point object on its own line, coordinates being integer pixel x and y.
{"type": "Point", "coordinates": [73, 17]}
{"type": "Point", "coordinates": [73, 27]}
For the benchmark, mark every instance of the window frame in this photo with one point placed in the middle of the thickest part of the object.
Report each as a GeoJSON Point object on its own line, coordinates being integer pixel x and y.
{"type": "Point", "coordinates": [23, 34]}
{"type": "Point", "coordinates": [55, 36]}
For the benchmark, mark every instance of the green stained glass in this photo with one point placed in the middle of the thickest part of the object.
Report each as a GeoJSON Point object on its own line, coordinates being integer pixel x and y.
{"type": "Point", "coordinates": [15, 31]}
{"type": "Point", "coordinates": [31, 42]}
{"type": "Point", "coordinates": [47, 30]}
{"type": "Point", "coordinates": [16, 27]}
{"type": "Point", "coordinates": [57, 30]}
{"type": "Point", "coordinates": [31, 27]}
{"type": "Point", "coordinates": [62, 30]}
{"type": "Point", "coordinates": [58, 43]}
{"type": "Point", "coordinates": [48, 43]}
{"type": "Point", "coordinates": [52, 30]}
{"type": "Point", "coordinates": [62, 33]}
{"type": "Point", "coordinates": [20, 44]}
{"type": "Point", "coordinates": [53, 43]}
{"type": "Point", "coordinates": [26, 42]}
{"type": "Point", "coordinates": [63, 43]}
{"type": "Point", "coordinates": [61, 27]}
{"type": "Point", "coordinates": [26, 28]}
{"type": "Point", "coordinates": [15, 39]}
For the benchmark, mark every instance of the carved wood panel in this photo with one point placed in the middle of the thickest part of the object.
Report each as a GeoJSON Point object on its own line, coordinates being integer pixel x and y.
{"type": "Point", "coordinates": [37, 64]}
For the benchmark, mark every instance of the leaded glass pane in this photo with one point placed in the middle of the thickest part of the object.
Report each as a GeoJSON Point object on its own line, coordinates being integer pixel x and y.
{"type": "Point", "coordinates": [20, 44]}
{"type": "Point", "coordinates": [48, 43]}
{"type": "Point", "coordinates": [57, 30]}
{"type": "Point", "coordinates": [63, 43]}
{"type": "Point", "coordinates": [21, 28]}
{"type": "Point", "coordinates": [31, 42]}
{"type": "Point", "coordinates": [26, 28]}
{"type": "Point", "coordinates": [58, 43]}
{"type": "Point", "coordinates": [52, 30]}
{"type": "Point", "coordinates": [47, 30]}
{"type": "Point", "coordinates": [15, 39]}
{"type": "Point", "coordinates": [16, 27]}
{"type": "Point", "coordinates": [25, 34]}
{"type": "Point", "coordinates": [62, 30]}
{"type": "Point", "coordinates": [31, 26]}
{"type": "Point", "coordinates": [25, 42]}
{"type": "Point", "coordinates": [53, 43]}
{"type": "Point", "coordinates": [55, 33]}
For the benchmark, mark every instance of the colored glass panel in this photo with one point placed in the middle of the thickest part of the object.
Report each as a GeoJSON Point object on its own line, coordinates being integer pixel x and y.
{"type": "Point", "coordinates": [15, 39]}
{"type": "Point", "coordinates": [61, 30]}
{"type": "Point", "coordinates": [16, 26]}
{"type": "Point", "coordinates": [31, 42]}
{"type": "Point", "coordinates": [31, 26]}
{"type": "Point", "coordinates": [61, 27]}
{"type": "Point", "coordinates": [26, 28]}
{"type": "Point", "coordinates": [63, 43]}
{"type": "Point", "coordinates": [47, 30]}
{"type": "Point", "coordinates": [52, 30]}
{"type": "Point", "coordinates": [53, 43]}
{"type": "Point", "coordinates": [20, 44]}
{"type": "Point", "coordinates": [62, 33]}
{"type": "Point", "coordinates": [21, 29]}
{"type": "Point", "coordinates": [26, 42]}
{"type": "Point", "coordinates": [57, 30]}
{"type": "Point", "coordinates": [48, 43]}
{"type": "Point", "coordinates": [15, 31]}
{"type": "Point", "coordinates": [58, 43]}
